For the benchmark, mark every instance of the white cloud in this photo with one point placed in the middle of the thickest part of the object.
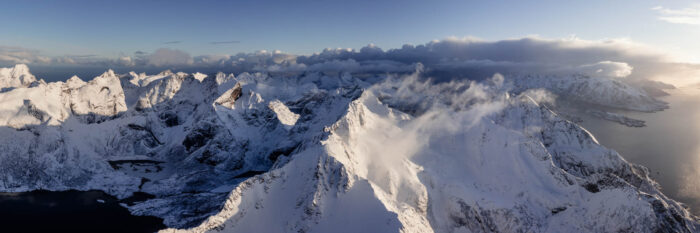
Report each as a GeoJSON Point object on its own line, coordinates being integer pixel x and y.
{"type": "Point", "coordinates": [15, 55]}
{"type": "Point", "coordinates": [125, 61]}
{"type": "Point", "coordinates": [476, 59]}
{"type": "Point", "coordinates": [212, 60]}
{"type": "Point", "coordinates": [348, 65]}
{"type": "Point", "coordinates": [607, 69]}
{"type": "Point", "coordinates": [169, 57]}
{"type": "Point", "coordinates": [688, 15]}
{"type": "Point", "coordinates": [442, 59]}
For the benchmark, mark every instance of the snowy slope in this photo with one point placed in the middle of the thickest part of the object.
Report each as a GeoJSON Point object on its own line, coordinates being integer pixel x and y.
{"type": "Point", "coordinates": [606, 92]}
{"type": "Point", "coordinates": [52, 103]}
{"type": "Point", "coordinates": [313, 153]}
{"type": "Point", "coordinates": [503, 164]}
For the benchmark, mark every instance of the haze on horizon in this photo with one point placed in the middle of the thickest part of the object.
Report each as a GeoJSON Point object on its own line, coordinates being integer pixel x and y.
{"type": "Point", "coordinates": [647, 39]}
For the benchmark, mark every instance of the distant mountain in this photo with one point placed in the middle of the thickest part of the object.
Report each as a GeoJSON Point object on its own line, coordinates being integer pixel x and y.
{"type": "Point", "coordinates": [606, 92]}
{"type": "Point", "coordinates": [17, 76]}
{"type": "Point", "coordinates": [318, 153]}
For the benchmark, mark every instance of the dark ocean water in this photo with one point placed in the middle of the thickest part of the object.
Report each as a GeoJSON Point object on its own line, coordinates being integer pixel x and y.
{"type": "Point", "coordinates": [669, 145]}
{"type": "Point", "coordinates": [70, 211]}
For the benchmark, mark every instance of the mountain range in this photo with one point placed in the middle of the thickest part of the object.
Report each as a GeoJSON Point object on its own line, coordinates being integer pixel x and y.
{"type": "Point", "coordinates": [340, 152]}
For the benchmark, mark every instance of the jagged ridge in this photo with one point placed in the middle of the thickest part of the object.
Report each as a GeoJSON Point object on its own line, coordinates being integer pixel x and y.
{"type": "Point", "coordinates": [315, 154]}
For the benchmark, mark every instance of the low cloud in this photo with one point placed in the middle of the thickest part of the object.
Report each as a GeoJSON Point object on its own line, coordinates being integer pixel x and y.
{"type": "Point", "coordinates": [478, 59]}
{"type": "Point", "coordinates": [531, 55]}
{"type": "Point", "coordinates": [82, 56]}
{"type": "Point", "coordinates": [688, 15]}
{"type": "Point", "coordinates": [125, 61]}
{"type": "Point", "coordinates": [13, 55]}
{"type": "Point", "coordinates": [168, 57]}
{"type": "Point", "coordinates": [606, 68]}
{"type": "Point", "coordinates": [349, 65]}
{"type": "Point", "coordinates": [212, 60]}
{"type": "Point", "coordinates": [452, 58]}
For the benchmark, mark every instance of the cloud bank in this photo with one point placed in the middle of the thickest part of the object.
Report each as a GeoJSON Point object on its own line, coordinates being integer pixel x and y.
{"type": "Point", "coordinates": [449, 58]}
{"type": "Point", "coordinates": [10, 54]}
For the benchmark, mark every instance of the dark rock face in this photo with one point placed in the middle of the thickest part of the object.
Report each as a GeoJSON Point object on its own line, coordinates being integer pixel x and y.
{"type": "Point", "coordinates": [170, 119]}
{"type": "Point", "coordinates": [237, 92]}
{"type": "Point", "coordinates": [199, 137]}
{"type": "Point", "coordinates": [229, 98]}
{"type": "Point", "coordinates": [592, 188]}
{"type": "Point", "coordinates": [35, 112]}
{"type": "Point", "coordinates": [147, 130]}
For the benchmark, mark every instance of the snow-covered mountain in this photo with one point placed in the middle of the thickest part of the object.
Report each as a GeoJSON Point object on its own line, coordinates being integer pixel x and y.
{"type": "Point", "coordinates": [606, 92]}
{"type": "Point", "coordinates": [315, 153]}
{"type": "Point", "coordinates": [17, 76]}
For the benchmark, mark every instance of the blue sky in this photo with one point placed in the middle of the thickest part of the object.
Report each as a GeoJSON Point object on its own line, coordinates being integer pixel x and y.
{"type": "Point", "coordinates": [58, 28]}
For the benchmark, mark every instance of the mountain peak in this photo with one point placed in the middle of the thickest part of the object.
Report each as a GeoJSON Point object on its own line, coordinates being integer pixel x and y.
{"type": "Point", "coordinates": [199, 76]}
{"type": "Point", "coordinates": [166, 72]}
{"type": "Point", "coordinates": [75, 81]}
{"type": "Point", "coordinates": [17, 76]}
{"type": "Point", "coordinates": [21, 68]}
{"type": "Point", "coordinates": [108, 73]}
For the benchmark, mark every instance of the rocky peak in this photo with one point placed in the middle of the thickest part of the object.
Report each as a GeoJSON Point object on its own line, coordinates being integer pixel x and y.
{"type": "Point", "coordinates": [17, 76]}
